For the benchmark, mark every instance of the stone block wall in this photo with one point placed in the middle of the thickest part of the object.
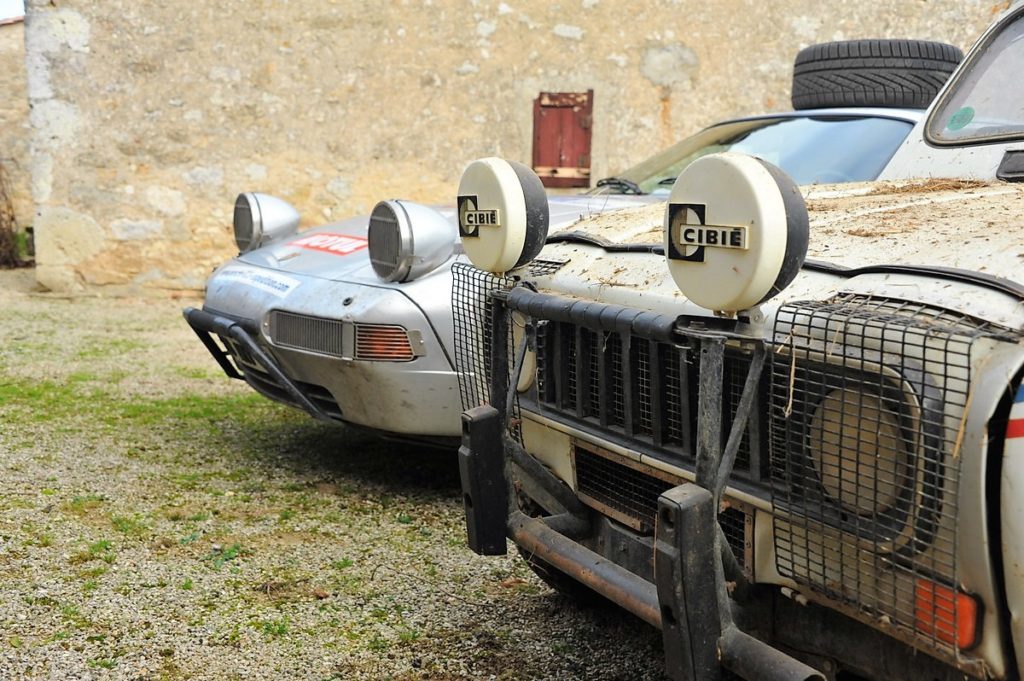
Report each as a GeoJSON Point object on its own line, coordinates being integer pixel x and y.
{"type": "Point", "coordinates": [148, 118]}
{"type": "Point", "coordinates": [14, 125]}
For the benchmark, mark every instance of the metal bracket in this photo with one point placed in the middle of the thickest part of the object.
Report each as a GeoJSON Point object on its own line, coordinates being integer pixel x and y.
{"type": "Point", "coordinates": [685, 574]}
{"type": "Point", "coordinates": [484, 483]}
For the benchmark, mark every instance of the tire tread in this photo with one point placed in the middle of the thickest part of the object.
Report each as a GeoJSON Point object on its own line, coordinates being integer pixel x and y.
{"type": "Point", "coordinates": [884, 73]}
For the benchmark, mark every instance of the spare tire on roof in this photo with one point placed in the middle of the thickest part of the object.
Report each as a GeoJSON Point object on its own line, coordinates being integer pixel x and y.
{"type": "Point", "coordinates": [886, 73]}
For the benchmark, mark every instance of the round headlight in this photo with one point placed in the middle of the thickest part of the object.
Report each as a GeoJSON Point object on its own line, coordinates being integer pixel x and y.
{"type": "Point", "coordinates": [406, 240]}
{"type": "Point", "coordinates": [247, 223]}
{"type": "Point", "coordinates": [858, 452]}
{"type": "Point", "coordinates": [261, 219]}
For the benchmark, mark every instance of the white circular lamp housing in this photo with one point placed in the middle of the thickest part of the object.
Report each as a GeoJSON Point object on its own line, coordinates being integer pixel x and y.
{"type": "Point", "coordinates": [736, 231]}
{"type": "Point", "coordinates": [503, 214]}
{"type": "Point", "coordinates": [261, 219]}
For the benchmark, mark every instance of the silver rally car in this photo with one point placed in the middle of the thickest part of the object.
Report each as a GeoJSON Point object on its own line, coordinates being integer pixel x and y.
{"type": "Point", "coordinates": [352, 321]}
{"type": "Point", "coordinates": [783, 425]}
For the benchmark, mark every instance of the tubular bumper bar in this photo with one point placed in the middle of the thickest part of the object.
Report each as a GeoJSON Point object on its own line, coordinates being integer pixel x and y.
{"type": "Point", "coordinates": [687, 599]}
{"type": "Point", "coordinates": [683, 613]}
{"type": "Point", "coordinates": [206, 325]}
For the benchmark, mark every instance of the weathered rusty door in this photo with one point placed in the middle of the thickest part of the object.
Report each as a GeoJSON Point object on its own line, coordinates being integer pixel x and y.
{"type": "Point", "coordinates": [561, 138]}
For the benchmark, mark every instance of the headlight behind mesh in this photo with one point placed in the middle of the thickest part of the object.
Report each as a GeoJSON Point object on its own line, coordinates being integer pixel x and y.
{"type": "Point", "coordinates": [855, 446]}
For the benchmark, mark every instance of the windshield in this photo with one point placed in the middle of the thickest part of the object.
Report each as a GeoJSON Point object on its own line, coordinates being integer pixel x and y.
{"type": "Point", "coordinates": [811, 150]}
{"type": "Point", "coordinates": [986, 101]}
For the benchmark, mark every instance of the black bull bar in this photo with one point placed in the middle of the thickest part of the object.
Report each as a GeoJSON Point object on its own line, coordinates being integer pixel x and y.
{"type": "Point", "coordinates": [207, 325]}
{"type": "Point", "coordinates": [693, 566]}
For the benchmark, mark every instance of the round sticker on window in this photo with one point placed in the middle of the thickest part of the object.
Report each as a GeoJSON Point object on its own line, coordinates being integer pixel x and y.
{"type": "Point", "coordinates": [960, 119]}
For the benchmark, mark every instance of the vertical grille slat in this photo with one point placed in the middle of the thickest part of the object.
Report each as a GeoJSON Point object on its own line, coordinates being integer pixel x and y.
{"type": "Point", "coordinates": [634, 387]}
{"type": "Point", "coordinates": [651, 388]}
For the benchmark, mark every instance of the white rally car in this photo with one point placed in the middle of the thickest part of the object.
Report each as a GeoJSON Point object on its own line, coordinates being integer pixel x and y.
{"type": "Point", "coordinates": [783, 425]}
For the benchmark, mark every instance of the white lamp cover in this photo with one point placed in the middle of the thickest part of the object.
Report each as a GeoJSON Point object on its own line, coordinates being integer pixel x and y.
{"type": "Point", "coordinates": [503, 214]}
{"type": "Point", "coordinates": [735, 231]}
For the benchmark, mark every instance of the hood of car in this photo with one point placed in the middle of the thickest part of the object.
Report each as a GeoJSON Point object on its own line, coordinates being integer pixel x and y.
{"type": "Point", "coordinates": [340, 251]}
{"type": "Point", "coordinates": [964, 224]}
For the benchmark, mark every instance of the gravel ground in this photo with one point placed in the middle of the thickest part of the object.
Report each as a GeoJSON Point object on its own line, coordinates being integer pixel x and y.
{"type": "Point", "coordinates": [158, 521]}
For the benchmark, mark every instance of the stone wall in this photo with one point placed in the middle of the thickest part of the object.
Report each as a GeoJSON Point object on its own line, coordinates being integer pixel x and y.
{"type": "Point", "coordinates": [148, 118]}
{"type": "Point", "coordinates": [14, 126]}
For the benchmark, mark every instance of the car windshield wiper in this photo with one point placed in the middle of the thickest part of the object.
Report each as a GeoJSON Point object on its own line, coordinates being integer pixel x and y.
{"type": "Point", "coordinates": [667, 180]}
{"type": "Point", "coordinates": [620, 183]}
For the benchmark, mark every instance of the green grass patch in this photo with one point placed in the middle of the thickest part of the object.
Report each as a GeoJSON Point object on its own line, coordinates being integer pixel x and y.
{"type": "Point", "coordinates": [104, 662]}
{"type": "Point", "coordinates": [218, 558]}
{"type": "Point", "coordinates": [188, 408]}
{"type": "Point", "coordinates": [273, 627]}
{"type": "Point", "coordinates": [73, 617]}
{"type": "Point", "coordinates": [47, 401]}
{"type": "Point", "coordinates": [132, 526]}
{"type": "Point", "coordinates": [98, 550]}
{"type": "Point", "coordinates": [83, 504]}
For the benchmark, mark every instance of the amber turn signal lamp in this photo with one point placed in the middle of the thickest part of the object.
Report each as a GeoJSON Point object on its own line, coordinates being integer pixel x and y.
{"type": "Point", "coordinates": [383, 343]}
{"type": "Point", "coordinates": [947, 615]}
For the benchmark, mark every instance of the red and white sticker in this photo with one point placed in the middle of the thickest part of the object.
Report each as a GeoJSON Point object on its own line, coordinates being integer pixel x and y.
{"type": "Point", "coordinates": [328, 242]}
{"type": "Point", "coordinates": [1015, 428]}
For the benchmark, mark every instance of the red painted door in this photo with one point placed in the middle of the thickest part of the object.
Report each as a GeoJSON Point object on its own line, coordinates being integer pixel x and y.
{"type": "Point", "coordinates": [561, 138]}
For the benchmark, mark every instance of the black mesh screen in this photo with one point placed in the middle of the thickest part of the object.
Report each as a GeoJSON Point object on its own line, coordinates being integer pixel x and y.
{"type": "Point", "coordinates": [868, 400]}
{"type": "Point", "coordinates": [631, 496]}
{"type": "Point", "coordinates": [472, 304]}
{"type": "Point", "coordinates": [635, 387]}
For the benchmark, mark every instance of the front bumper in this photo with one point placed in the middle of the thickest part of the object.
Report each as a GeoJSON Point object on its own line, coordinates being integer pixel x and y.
{"type": "Point", "coordinates": [379, 397]}
{"type": "Point", "coordinates": [207, 325]}
{"type": "Point", "coordinates": [688, 600]}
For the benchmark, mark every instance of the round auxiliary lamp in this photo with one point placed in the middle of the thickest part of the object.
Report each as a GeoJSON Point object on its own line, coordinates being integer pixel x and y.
{"type": "Point", "coordinates": [736, 231]}
{"type": "Point", "coordinates": [503, 214]}
{"type": "Point", "coordinates": [261, 219]}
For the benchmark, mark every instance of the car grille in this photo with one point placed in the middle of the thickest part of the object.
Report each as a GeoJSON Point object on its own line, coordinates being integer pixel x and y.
{"type": "Point", "coordinates": [637, 388]}
{"type": "Point", "coordinates": [306, 332]}
{"type": "Point", "coordinates": [628, 492]}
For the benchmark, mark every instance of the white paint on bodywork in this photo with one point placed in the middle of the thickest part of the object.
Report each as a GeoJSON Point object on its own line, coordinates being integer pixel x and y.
{"type": "Point", "coordinates": [946, 223]}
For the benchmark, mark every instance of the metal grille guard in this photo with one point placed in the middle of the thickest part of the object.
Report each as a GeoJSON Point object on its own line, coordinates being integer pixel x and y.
{"type": "Point", "coordinates": [206, 325]}
{"type": "Point", "coordinates": [689, 600]}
